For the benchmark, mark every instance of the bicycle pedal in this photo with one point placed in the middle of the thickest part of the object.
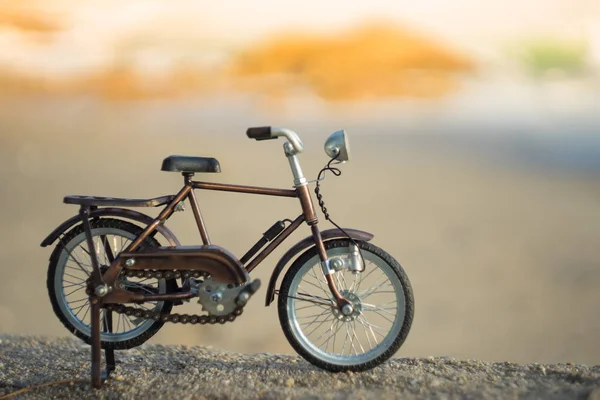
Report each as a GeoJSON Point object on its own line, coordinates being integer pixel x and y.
{"type": "Point", "coordinates": [254, 286]}
{"type": "Point", "coordinates": [247, 292]}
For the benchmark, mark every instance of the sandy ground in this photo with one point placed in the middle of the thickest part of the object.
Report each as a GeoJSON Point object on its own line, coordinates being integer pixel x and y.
{"type": "Point", "coordinates": [60, 369]}
{"type": "Point", "coordinates": [503, 260]}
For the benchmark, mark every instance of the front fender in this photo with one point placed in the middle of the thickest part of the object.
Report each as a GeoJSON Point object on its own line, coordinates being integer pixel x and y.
{"type": "Point", "coordinates": [305, 244]}
{"type": "Point", "coordinates": [111, 212]}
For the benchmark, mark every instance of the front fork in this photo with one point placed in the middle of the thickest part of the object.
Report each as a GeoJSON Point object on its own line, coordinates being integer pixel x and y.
{"type": "Point", "coordinates": [340, 300]}
{"type": "Point", "coordinates": [311, 219]}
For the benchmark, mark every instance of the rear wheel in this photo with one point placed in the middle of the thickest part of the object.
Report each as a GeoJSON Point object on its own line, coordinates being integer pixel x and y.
{"type": "Point", "coordinates": [69, 269]}
{"type": "Point", "coordinates": [382, 301]}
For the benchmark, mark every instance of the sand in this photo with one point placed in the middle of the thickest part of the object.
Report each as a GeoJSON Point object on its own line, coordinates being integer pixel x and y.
{"type": "Point", "coordinates": [60, 369]}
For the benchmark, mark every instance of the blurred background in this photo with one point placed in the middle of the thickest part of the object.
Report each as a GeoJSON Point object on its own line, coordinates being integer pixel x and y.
{"type": "Point", "coordinates": [475, 139]}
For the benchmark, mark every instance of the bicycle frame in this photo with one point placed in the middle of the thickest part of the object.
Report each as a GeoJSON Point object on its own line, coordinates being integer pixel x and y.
{"type": "Point", "coordinates": [188, 192]}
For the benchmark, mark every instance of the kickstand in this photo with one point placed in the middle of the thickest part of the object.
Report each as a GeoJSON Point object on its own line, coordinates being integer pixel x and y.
{"type": "Point", "coordinates": [109, 354]}
{"type": "Point", "coordinates": [98, 377]}
{"type": "Point", "coordinates": [96, 347]}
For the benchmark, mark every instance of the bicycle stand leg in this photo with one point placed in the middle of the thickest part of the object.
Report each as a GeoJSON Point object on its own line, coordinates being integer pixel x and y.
{"type": "Point", "coordinates": [97, 281]}
{"type": "Point", "coordinates": [99, 376]}
{"type": "Point", "coordinates": [96, 348]}
{"type": "Point", "coordinates": [109, 354]}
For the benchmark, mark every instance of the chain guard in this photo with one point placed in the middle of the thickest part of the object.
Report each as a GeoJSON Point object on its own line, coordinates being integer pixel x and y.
{"type": "Point", "coordinates": [221, 318]}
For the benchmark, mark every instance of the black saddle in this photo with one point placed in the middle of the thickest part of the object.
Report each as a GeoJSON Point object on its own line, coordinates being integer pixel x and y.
{"type": "Point", "coordinates": [190, 164]}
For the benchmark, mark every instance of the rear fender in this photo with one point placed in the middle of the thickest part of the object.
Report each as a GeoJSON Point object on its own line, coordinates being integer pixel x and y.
{"type": "Point", "coordinates": [305, 244]}
{"type": "Point", "coordinates": [111, 212]}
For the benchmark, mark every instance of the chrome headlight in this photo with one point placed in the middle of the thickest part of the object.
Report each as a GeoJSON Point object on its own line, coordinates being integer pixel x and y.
{"type": "Point", "coordinates": [337, 146]}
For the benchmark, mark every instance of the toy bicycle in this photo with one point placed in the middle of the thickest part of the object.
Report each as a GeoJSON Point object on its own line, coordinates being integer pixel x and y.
{"type": "Point", "coordinates": [344, 304]}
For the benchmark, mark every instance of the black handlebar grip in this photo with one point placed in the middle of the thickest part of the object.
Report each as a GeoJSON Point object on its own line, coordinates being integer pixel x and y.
{"type": "Point", "coordinates": [260, 133]}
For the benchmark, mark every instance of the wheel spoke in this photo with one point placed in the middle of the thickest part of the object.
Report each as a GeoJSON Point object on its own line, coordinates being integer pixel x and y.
{"type": "Point", "coordinates": [327, 293]}
{"type": "Point", "coordinates": [318, 326]}
{"type": "Point", "coordinates": [337, 327]}
{"type": "Point", "coordinates": [315, 319]}
{"type": "Point", "coordinates": [72, 284]}
{"type": "Point", "coordinates": [312, 284]}
{"type": "Point", "coordinates": [335, 335]}
{"type": "Point", "coordinates": [312, 305]}
{"type": "Point", "coordinates": [364, 277]}
{"type": "Point", "coordinates": [79, 264]}
{"type": "Point", "coordinates": [348, 329]}
{"type": "Point", "coordinates": [381, 315]}
{"type": "Point", "coordinates": [325, 332]}
{"type": "Point", "coordinates": [74, 277]}
{"type": "Point", "coordinates": [311, 315]}
{"type": "Point", "coordinates": [354, 282]}
{"type": "Point", "coordinates": [374, 288]}
{"type": "Point", "coordinates": [321, 300]}
{"type": "Point", "coordinates": [80, 300]}
{"type": "Point", "coordinates": [366, 334]}
{"type": "Point", "coordinates": [337, 281]}
{"type": "Point", "coordinates": [366, 325]}
{"type": "Point", "coordinates": [119, 321]}
{"type": "Point", "coordinates": [373, 326]}
{"type": "Point", "coordinates": [346, 338]}
{"type": "Point", "coordinates": [78, 308]}
{"type": "Point", "coordinates": [372, 307]}
{"type": "Point", "coordinates": [356, 336]}
{"type": "Point", "coordinates": [107, 249]}
{"type": "Point", "coordinates": [128, 321]}
{"type": "Point", "coordinates": [88, 307]}
{"type": "Point", "coordinates": [80, 268]}
{"type": "Point", "coordinates": [137, 321]}
{"type": "Point", "coordinates": [86, 313]}
{"type": "Point", "coordinates": [379, 292]}
{"type": "Point", "coordinates": [86, 251]}
{"type": "Point", "coordinates": [76, 290]}
{"type": "Point", "coordinates": [343, 276]}
{"type": "Point", "coordinates": [104, 323]}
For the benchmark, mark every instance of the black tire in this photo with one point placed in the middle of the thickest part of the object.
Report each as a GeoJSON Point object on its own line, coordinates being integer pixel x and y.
{"type": "Point", "coordinates": [60, 253]}
{"type": "Point", "coordinates": [384, 353]}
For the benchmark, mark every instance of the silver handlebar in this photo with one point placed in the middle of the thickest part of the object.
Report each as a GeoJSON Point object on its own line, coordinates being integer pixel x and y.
{"type": "Point", "coordinates": [291, 136]}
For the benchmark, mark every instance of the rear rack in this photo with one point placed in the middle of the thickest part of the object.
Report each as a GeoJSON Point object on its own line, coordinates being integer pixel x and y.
{"type": "Point", "coordinates": [114, 201]}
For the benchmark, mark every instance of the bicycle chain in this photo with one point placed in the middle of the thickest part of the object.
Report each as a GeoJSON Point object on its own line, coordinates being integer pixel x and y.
{"type": "Point", "coordinates": [173, 318]}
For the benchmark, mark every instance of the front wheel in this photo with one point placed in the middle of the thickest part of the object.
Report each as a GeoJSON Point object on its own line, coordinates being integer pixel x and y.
{"type": "Point", "coordinates": [383, 308]}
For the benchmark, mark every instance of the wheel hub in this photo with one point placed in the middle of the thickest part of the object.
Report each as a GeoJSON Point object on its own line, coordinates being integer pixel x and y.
{"type": "Point", "coordinates": [350, 311]}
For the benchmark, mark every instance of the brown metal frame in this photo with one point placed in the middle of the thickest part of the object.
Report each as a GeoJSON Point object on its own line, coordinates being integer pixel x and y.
{"type": "Point", "coordinates": [110, 276]}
